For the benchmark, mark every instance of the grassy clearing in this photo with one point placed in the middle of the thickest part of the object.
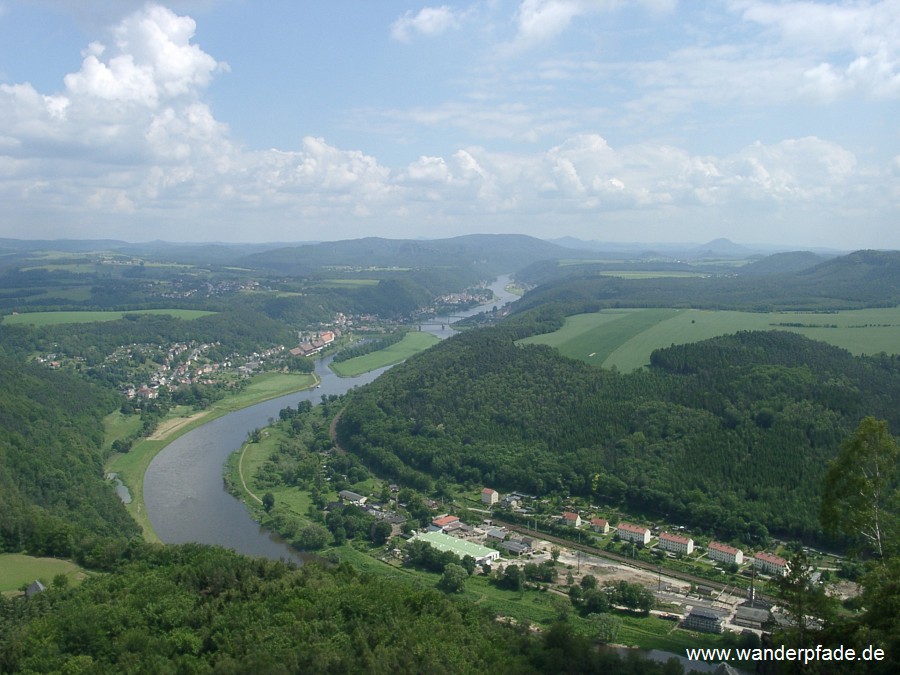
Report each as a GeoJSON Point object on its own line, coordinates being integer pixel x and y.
{"type": "Point", "coordinates": [74, 268]}
{"type": "Point", "coordinates": [594, 337]}
{"type": "Point", "coordinates": [71, 294]}
{"type": "Point", "coordinates": [56, 318]}
{"type": "Point", "coordinates": [625, 338]}
{"type": "Point", "coordinates": [18, 570]}
{"type": "Point", "coordinates": [651, 274]}
{"type": "Point", "coordinates": [132, 466]}
{"type": "Point", "coordinates": [411, 343]}
{"type": "Point", "coordinates": [652, 632]}
{"type": "Point", "coordinates": [346, 283]}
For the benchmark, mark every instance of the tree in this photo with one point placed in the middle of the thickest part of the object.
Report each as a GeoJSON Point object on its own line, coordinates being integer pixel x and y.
{"type": "Point", "coordinates": [379, 532]}
{"type": "Point", "coordinates": [453, 580]}
{"type": "Point", "coordinates": [804, 603]}
{"type": "Point", "coordinates": [312, 537]}
{"type": "Point", "coordinates": [513, 578]}
{"type": "Point", "coordinates": [268, 501]}
{"type": "Point", "coordinates": [861, 487]}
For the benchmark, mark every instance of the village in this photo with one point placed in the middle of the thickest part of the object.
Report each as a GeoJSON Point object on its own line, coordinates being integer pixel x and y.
{"type": "Point", "coordinates": [690, 604]}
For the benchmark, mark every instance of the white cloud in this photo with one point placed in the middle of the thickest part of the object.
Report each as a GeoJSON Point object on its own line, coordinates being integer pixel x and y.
{"type": "Point", "coordinates": [429, 21]}
{"type": "Point", "coordinates": [131, 142]}
{"type": "Point", "coordinates": [539, 21]}
{"type": "Point", "coordinates": [855, 47]}
{"type": "Point", "coordinates": [154, 60]}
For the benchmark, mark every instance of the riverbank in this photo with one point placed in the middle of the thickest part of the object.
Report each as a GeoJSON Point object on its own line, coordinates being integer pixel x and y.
{"type": "Point", "coordinates": [412, 343]}
{"type": "Point", "coordinates": [132, 465]}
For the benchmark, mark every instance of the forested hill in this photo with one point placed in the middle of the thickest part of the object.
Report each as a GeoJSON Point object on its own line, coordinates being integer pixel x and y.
{"type": "Point", "coordinates": [861, 279]}
{"type": "Point", "coordinates": [491, 254]}
{"type": "Point", "coordinates": [51, 484]}
{"type": "Point", "coordinates": [731, 435]}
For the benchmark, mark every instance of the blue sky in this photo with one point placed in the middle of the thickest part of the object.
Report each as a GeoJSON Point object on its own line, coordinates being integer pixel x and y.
{"type": "Point", "coordinates": [764, 121]}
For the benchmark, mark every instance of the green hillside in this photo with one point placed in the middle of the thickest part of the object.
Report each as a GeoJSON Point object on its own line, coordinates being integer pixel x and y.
{"type": "Point", "coordinates": [51, 477]}
{"type": "Point", "coordinates": [731, 434]}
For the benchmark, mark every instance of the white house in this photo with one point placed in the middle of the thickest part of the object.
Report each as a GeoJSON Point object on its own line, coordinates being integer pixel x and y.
{"type": "Point", "coordinates": [770, 564]}
{"type": "Point", "coordinates": [724, 553]}
{"type": "Point", "coordinates": [489, 496]}
{"type": "Point", "coordinates": [571, 519]}
{"type": "Point", "coordinates": [635, 533]}
{"type": "Point", "coordinates": [676, 544]}
{"type": "Point", "coordinates": [600, 525]}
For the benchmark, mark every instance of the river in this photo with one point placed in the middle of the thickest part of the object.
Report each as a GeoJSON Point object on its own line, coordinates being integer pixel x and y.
{"type": "Point", "coordinates": [183, 489]}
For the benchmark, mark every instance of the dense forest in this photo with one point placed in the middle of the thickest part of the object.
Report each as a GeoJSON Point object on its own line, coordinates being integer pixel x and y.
{"type": "Point", "coordinates": [52, 493]}
{"type": "Point", "coordinates": [731, 435]}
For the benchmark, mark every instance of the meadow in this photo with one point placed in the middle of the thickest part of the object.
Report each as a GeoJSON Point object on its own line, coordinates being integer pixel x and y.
{"type": "Point", "coordinates": [56, 318]}
{"type": "Point", "coordinates": [346, 283]}
{"type": "Point", "coordinates": [18, 570]}
{"type": "Point", "coordinates": [625, 338]}
{"type": "Point", "coordinates": [412, 343]}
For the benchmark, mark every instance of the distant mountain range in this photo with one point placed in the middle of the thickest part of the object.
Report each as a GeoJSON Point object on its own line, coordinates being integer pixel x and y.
{"type": "Point", "coordinates": [717, 248]}
{"type": "Point", "coordinates": [492, 252]}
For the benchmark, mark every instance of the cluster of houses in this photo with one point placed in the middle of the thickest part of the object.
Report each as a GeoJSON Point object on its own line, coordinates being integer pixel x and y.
{"type": "Point", "coordinates": [316, 344]}
{"type": "Point", "coordinates": [186, 364]}
{"type": "Point", "coordinates": [677, 544]}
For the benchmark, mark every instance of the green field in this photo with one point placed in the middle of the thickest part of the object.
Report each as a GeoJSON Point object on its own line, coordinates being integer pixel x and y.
{"type": "Point", "coordinates": [71, 294]}
{"type": "Point", "coordinates": [625, 338]}
{"type": "Point", "coordinates": [411, 343]}
{"type": "Point", "coordinates": [55, 318]}
{"type": "Point", "coordinates": [634, 274]}
{"type": "Point", "coordinates": [18, 570]}
{"type": "Point", "coordinates": [347, 283]}
{"type": "Point", "coordinates": [74, 268]}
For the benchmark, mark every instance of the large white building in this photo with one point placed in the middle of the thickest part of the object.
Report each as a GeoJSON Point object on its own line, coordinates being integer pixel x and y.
{"type": "Point", "coordinates": [770, 564]}
{"type": "Point", "coordinates": [724, 553]}
{"type": "Point", "coordinates": [676, 544]}
{"type": "Point", "coordinates": [460, 547]}
{"type": "Point", "coordinates": [635, 533]}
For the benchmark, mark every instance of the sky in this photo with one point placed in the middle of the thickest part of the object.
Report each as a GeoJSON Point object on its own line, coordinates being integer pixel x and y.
{"type": "Point", "coordinates": [761, 121]}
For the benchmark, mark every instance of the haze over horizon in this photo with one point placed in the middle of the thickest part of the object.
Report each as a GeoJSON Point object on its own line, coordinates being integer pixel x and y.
{"type": "Point", "coordinates": [604, 120]}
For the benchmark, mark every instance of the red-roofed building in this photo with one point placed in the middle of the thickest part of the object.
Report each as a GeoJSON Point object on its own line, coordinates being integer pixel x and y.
{"type": "Point", "coordinates": [571, 519]}
{"type": "Point", "coordinates": [443, 522]}
{"type": "Point", "coordinates": [635, 533]}
{"type": "Point", "coordinates": [770, 564]}
{"type": "Point", "coordinates": [676, 543]}
{"type": "Point", "coordinates": [489, 496]}
{"type": "Point", "coordinates": [724, 553]}
{"type": "Point", "coordinates": [600, 525]}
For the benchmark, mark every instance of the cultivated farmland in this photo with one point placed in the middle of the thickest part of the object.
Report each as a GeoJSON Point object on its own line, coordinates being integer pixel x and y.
{"type": "Point", "coordinates": [55, 318]}
{"type": "Point", "coordinates": [625, 338]}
